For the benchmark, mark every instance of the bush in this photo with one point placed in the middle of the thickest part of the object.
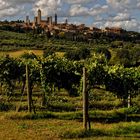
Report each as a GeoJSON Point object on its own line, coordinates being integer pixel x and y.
{"type": "Point", "coordinates": [124, 57]}
{"type": "Point", "coordinates": [5, 106]}
{"type": "Point", "coordinates": [29, 55]}
{"type": "Point", "coordinates": [104, 51]}
{"type": "Point", "coordinates": [117, 44]}
{"type": "Point", "coordinates": [136, 56]}
{"type": "Point", "coordinates": [78, 54]}
{"type": "Point", "coordinates": [49, 50]}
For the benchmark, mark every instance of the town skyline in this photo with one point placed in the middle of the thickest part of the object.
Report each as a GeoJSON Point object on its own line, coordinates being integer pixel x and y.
{"type": "Point", "coordinates": [101, 14]}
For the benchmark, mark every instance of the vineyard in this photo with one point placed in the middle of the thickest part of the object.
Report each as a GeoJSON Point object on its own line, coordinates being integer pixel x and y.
{"type": "Point", "coordinates": [55, 85]}
{"type": "Point", "coordinates": [42, 84]}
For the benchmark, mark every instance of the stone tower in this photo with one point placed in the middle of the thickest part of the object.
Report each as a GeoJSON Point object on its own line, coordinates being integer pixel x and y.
{"type": "Point", "coordinates": [39, 17]}
{"type": "Point", "coordinates": [50, 20]}
{"type": "Point", "coordinates": [55, 22]}
{"type": "Point", "coordinates": [35, 20]}
{"type": "Point", "coordinates": [27, 20]}
{"type": "Point", "coordinates": [66, 21]}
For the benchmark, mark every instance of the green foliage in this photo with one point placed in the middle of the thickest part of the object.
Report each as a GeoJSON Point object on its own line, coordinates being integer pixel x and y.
{"type": "Point", "coordinates": [49, 50]}
{"type": "Point", "coordinates": [61, 35]}
{"type": "Point", "coordinates": [123, 81]}
{"type": "Point", "coordinates": [124, 57]}
{"type": "Point", "coordinates": [62, 106]}
{"type": "Point", "coordinates": [136, 56]}
{"type": "Point", "coordinates": [61, 73]}
{"type": "Point", "coordinates": [29, 116]}
{"type": "Point", "coordinates": [131, 110]}
{"type": "Point", "coordinates": [117, 44]}
{"type": "Point", "coordinates": [78, 54]}
{"type": "Point", "coordinates": [127, 57]}
{"type": "Point", "coordinates": [83, 133]}
{"type": "Point", "coordinates": [29, 56]}
{"type": "Point", "coordinates": [6, 106]}
{"type": "Point", "coordinates": [105, 51]}
{"type": "Point", "coordinates": [126, 129]}
{"type": "Point", "coordinates": [10, 71]}
{"type": "Point", "coordinates": [119, 130]}
{"type": "Point", "coordinates": [53, 72]}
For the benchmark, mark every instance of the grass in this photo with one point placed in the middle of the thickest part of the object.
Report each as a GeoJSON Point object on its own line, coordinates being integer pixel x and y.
{"type": "Point", "coordinates": [114, 130]}
{"type": "Point", "coordinates": [95, 116]}
{"type": "Point", "coordinates": [62, 129]}
{"type": "Point", "coordinates": [18, 53]}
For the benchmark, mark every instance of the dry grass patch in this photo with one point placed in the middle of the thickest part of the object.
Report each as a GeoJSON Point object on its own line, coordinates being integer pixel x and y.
{"type": "Point", "coordinates": [16, 54]}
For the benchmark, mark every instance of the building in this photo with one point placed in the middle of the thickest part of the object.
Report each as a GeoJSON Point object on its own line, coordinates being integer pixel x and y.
{"type": "Point", "coordinates": [39, 17]}
{"type": "Point", "coordinates": [27, 20]}
{"type": "Point", "coordinates": [115, 30]}
{"type": "Point", "coordinates": [51, 24]}
{"type": "Point", "coordinates": [55, 19]}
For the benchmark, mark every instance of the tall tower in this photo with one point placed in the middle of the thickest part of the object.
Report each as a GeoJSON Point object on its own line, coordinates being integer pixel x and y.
{"type": "Point", "coordinates": [50, 20]}
{"type": "Point", "coordinates": [35, 20]}
{"type": "Point", "coordinates": [27, 20]}
{"type": "Point", "coordinates": [55, 22]}
{"type": "Point", "coordinates": [66, 21]}
{"type": "Point", "coordinates": [39, 17]}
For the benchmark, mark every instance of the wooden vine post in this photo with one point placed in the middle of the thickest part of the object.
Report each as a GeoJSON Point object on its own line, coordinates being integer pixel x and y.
{"type": "Point", "coordinates": [85, 102]}
{"type": "Point", "coordinates": [29, 100]}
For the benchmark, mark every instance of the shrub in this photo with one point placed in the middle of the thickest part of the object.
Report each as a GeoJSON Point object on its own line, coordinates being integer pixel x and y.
{"type": "Point", "coordinates": [117, 44]}
{"type": "Point", "coordinates": [104, 51]}
{"type": "Point", "coordinates": [136, 56]}
{"type": "Point", "coordinates": [29, 55]}
{"type": "Point", "coordinates": [78, 54]}
{"type": "Point", "coordinates": [123, 57]}
{"type": "Point", "coordinates": [49, 50]}
{"type": "Point", "coordinates": [5, 106]}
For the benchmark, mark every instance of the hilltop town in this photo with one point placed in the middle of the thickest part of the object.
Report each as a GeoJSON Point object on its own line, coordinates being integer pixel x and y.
{"type": "Point", "coordinates": [66, 30]}
{"type": "Point", "coordinates": [50, 25]}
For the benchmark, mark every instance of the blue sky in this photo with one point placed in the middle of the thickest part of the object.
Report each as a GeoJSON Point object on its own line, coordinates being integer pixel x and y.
{"type": "Point", "coordinates": [99, 13]}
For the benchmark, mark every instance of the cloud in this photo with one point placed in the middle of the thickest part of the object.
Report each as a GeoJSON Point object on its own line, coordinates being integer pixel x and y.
{"type": "Point", "coordinates": [78, 10]}
{"type": "Point", "coordinates": [98, 9]}
{"type": "Point", "coordinates": [130, 25]}
{"type": "Point", "coordinates": [77, 1]}
{"type": "Point", "coordinates": [123, 13]}
{"type": "Point", "coordinates": [74, 7]}
{"type": "Point", "coordinates": [123, 4]}
{"type": "Point", "coordinates": [122, 17]}
{"type": "Point", "coordinates": [48, 7]}
{"type": "Point", "coordinates": [13, 7]}
{"type": "Point", "coordinates": [9, 12]}
{"type": "Point", "coordinates": [120, 13]}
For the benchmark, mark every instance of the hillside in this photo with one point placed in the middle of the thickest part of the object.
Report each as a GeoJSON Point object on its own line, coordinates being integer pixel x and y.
{"type": "Point", "coordinates": [120, 51]}
{"type": "Point", "coordinates": [51, 106]}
